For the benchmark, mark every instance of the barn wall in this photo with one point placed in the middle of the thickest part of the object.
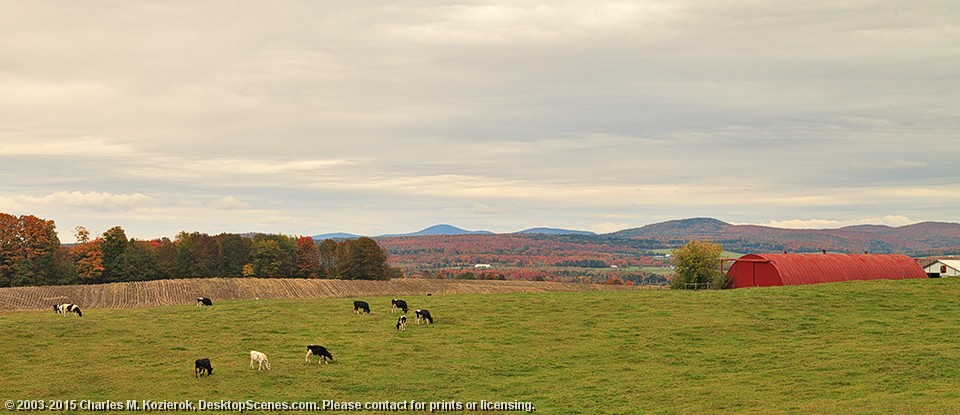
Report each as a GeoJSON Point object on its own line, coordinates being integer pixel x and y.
{"type": "Point", "coordinates": [935, 268]}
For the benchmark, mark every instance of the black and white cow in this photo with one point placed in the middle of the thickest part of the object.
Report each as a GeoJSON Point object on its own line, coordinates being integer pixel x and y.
{"type": "Point", "coordinates": [320, 352]}
{"type": "Point", "coordinates": [203, 301]}
{"type": "Point", "coordinates": [361, 307]}
{"type": "Point", "coordinates": [423, 315]}
{"type": "Point", "coordinates": [398, 304]}
{"type": "Point", "coordinates": [202, 366]}
{"type": "Point", "coordinates": [402, 323]}
{"type": "Point", "coordinates": [67, 308]}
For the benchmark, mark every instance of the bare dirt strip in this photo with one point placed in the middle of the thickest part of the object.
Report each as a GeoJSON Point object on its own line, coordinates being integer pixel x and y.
{"type": "Point", "coordinates": [186, 291]}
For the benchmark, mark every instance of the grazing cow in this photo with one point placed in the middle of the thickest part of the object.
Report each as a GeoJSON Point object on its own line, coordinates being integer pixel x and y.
{"type": "Point", "coordinates": [203, 366]}
{"type": "Point", "coordinates": [320, 352]}
{"type": "Point", "coordinates": [423, 315]}
{"type": "Point", "coordinates": [402, 323]}
{"type": "Point", "coordinates": [261, 360]}
{"type": "Point", "coordinates": [203, 301]}
{"type": "Point", "coordinates": [395, 304]}
{"type": "Point", "coordinates": [67, 308]}
{"type": "Point", "coordinates": [361, 307]}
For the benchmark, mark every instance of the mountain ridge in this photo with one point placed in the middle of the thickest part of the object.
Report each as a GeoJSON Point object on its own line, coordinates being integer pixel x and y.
{"type": "Point", "coordinates": [923, 238]}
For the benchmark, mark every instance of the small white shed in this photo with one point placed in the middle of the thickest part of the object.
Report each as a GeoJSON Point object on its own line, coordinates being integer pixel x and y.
{"type": "Point", "coordinates": [944, 267]}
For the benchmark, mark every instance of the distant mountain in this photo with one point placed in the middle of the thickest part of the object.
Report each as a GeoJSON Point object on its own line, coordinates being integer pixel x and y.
{"type": "Point", "coordinates": [926, 238]}
{"type": "Point", "coordinates": [921, 239]}
{"type": "Point", "coordinates": [555, 231]}
{"type": "Point", "coordinates": [702, 227]}
{"type": "Point", "coordinates": [336, 235]}
{"type": "Point", "coordinates": [442, 229]}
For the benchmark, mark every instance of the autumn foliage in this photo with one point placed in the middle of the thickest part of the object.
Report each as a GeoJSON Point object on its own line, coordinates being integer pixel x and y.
{"type": "Point", "coordinates": [30, 254]}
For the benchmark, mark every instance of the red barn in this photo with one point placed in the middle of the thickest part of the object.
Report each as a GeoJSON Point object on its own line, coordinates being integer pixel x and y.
{"type": "Point", "coordinates": [764, 270]}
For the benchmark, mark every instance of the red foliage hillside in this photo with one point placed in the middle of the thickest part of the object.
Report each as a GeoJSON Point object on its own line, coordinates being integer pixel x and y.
{"type": "Point", "coordinates": [504, 249]}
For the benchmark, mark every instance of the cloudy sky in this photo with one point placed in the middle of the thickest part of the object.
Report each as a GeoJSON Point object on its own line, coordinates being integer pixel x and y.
{"type": "Point", "coordinates": [372, 117]}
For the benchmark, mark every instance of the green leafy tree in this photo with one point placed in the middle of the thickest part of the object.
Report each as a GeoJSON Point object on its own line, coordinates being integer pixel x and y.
{"type": "Point", "coordinates": [698, 262]}
{"type": "Point", "coordinates": [166, 252]}
{"type": "Point", "coordinates": [198, 256]}
{"type": "Point", "coordinates": [139, 262]}
{"type": "Point", "coordinates": [267, 258]}
{"type": "Point", "coordinates": [113, 243]}
{"type": "Point", "coordinates": [234, 254]}
{"type": "Point", "coordinates": [274, 256]}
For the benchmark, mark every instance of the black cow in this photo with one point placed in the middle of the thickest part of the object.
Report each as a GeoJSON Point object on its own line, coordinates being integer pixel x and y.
{"type": "Point", "coordinates": [203, 301]}
{"type": "Point", "coordinates": [423, 315]}
{"type": "Point", "coordinates": [203, 366]}
{"type": "Point", "coordinates": [320, 352]}
{"type": "Point", "coordinates": [67, 308]}
{"type": "Point", "coordinates": [395, 304]}
{"type": "Point", "coordinates": [402, 323]}
{"type": "Point", "coordinates": [361, 306]}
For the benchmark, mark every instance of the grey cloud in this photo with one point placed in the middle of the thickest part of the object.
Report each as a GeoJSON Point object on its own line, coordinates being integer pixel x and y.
{"type": "Point", "coordinates": [419, 111]}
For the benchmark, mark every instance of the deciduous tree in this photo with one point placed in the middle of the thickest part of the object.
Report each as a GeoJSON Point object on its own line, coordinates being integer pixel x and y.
{"type": "Point", "coordinates": [114, 242]}
{"type": "Point", "coordinates": [328, 258]}
{"type": "Point", "coordinates": [308, 258]}
{"type": "Point", "coordinates": [361, 258]}
{"type": "Point", "coordinates": [88, 257]}
{"type": "Point", "coordinates": [28, 250]}
{"type": "Point", "coordinates": [698, 262]}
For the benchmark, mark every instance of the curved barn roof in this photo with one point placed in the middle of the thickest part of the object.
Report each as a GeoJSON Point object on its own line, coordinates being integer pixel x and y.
{"type": "Point", "coordinates": [796, 269]}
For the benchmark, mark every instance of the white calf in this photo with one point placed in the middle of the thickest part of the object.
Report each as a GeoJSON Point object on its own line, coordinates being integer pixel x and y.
{"type": "Point", "coordinates": [260, 358]}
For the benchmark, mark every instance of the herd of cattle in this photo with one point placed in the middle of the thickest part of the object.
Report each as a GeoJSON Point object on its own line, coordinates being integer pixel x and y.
{"type": "Point", "coordinates": [203, 367]}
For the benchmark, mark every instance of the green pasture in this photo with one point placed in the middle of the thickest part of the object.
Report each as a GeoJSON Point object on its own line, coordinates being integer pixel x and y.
{"type": "Point", "coordinates": [877, 347]}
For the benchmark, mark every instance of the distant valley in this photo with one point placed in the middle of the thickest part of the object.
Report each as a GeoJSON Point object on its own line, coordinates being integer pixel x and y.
{"type": "Point", "coordinates": [639, 254]}
{"type": "Point", "coordinates": [921, 239]}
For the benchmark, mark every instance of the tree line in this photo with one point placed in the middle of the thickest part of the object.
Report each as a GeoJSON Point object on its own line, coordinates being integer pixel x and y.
{"type": "Point", "coordinates": [31, 254]}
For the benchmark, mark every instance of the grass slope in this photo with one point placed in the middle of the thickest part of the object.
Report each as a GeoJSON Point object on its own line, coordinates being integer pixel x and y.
{"type": "Point", "coordinates": [858, 347]}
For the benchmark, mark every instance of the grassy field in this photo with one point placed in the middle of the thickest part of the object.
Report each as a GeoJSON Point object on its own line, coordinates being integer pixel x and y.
{"type": "Point", "coordinates": [858, 347]}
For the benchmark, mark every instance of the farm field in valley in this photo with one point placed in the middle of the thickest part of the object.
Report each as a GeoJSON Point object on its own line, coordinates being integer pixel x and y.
{"type": "Point", "coordinates": [856, 347]}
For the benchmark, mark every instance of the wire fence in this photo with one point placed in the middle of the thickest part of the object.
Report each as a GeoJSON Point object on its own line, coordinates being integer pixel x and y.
{"type": "Point", "coordinates": [697, 286]}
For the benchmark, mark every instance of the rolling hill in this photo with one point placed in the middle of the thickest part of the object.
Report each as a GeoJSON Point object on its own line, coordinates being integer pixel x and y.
{"type": "Point", "coordinates": [926, 238]}
{"type": "Point", "coordinates": [555, 231]}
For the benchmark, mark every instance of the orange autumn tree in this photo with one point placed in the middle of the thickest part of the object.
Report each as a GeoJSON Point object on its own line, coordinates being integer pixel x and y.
{"type": "Point", "coordinates": [88, 256]}
{"type": "Point", "coordinates": [308, 258]}
{"type": "Point", "coordinates": [29, 249]}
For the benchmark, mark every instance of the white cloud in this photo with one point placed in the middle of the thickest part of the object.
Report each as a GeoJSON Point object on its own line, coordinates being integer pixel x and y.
{"type": "Point", "coordinates": [89, 200]}
{"type": "Point", "coordinates": [380, 116]}
{"type": "Point", "coordinates": [8, 205]}
{"type": "Point", "coordinates": [229, 202]}
{"type": "Point", "coordinates": [60, 147]}
{"type": "Point", "coordinates": [889, 220]}
{"type": "Point", "coordinates": [608, 227]}
{"type": "Point", "coordinates": [908, 164]}
{"type": "Point", "coordinates": [479, 209]}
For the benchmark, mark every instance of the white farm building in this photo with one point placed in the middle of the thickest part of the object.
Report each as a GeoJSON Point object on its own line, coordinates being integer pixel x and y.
{"type": "Point", "coordinates": [944, 267]}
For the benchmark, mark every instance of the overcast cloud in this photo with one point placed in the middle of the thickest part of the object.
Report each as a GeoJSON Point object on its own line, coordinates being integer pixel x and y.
{"type": "Point", "coordinates": [372, 117]}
